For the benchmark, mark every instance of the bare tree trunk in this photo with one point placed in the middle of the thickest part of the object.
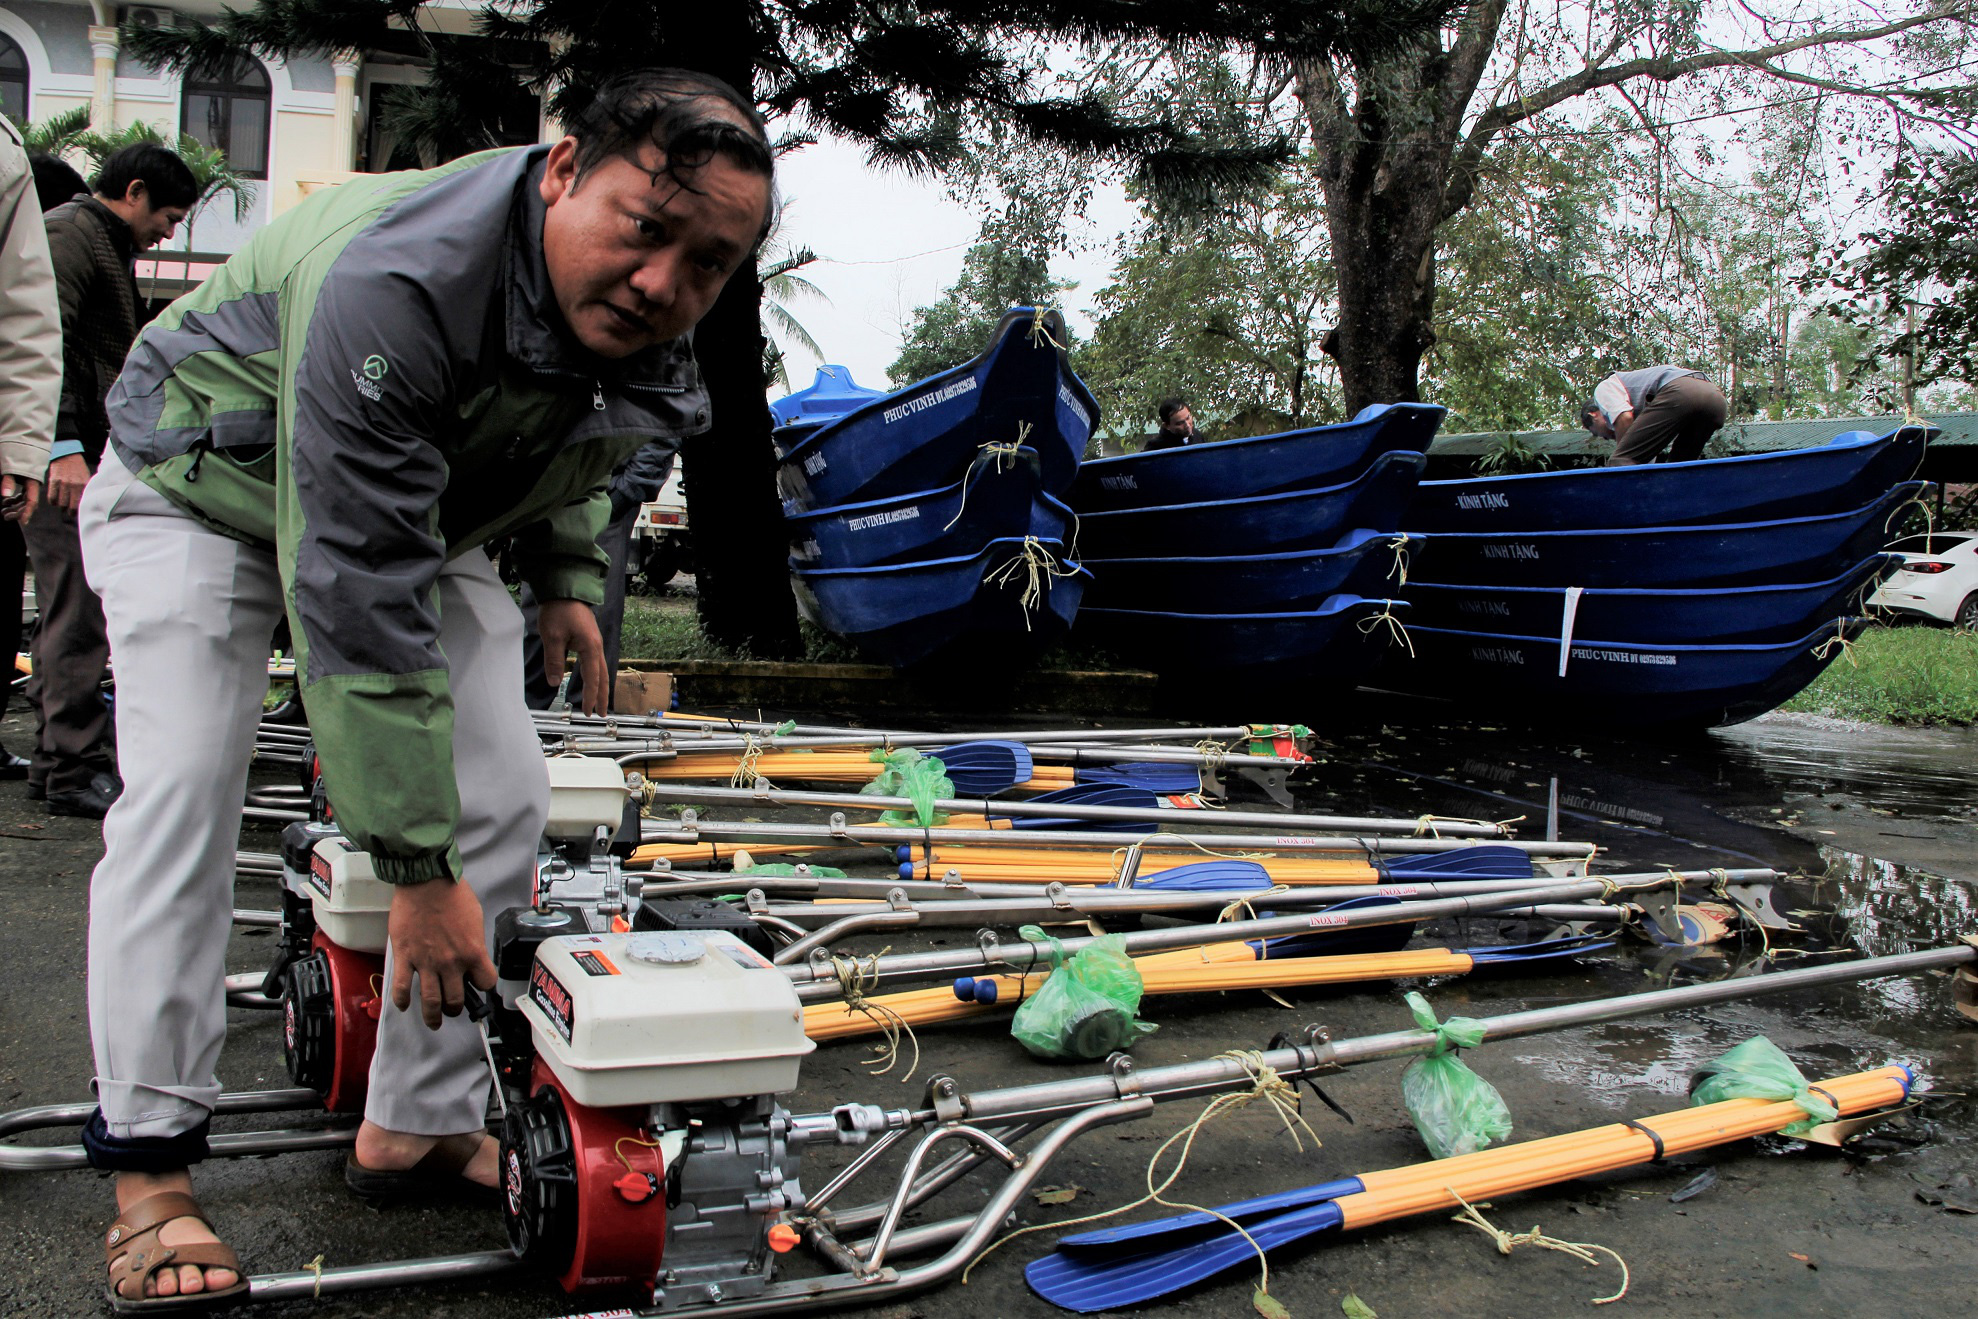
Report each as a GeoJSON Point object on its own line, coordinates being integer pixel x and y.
{"type": "Point", "coordinates": [1386, 135]}
{"type": "Point", "coordinates": [736, 519]}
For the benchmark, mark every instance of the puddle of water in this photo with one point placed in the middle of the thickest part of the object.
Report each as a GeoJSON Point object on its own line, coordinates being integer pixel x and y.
{"type": "Point", "coordinates": [1925, 771]}
{"type": "Point", "coordinates": [1693, 805]}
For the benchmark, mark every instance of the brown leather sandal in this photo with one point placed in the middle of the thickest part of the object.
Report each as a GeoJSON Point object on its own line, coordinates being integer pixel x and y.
{"type": "Point", "coordinates": [134, 1251]}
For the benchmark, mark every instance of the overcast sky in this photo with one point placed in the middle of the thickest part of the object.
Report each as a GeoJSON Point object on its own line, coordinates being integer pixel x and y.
{"type": "Point", "coordinates": [887, 243]}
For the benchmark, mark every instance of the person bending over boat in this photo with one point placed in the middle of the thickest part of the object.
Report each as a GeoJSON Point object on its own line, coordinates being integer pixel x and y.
{"type": "Point", "coordinates": [1177, 427]}
{"type": "Point", "coordinates": [391, 375]}
{"type": "Point", "coordinates": [1659, 413]}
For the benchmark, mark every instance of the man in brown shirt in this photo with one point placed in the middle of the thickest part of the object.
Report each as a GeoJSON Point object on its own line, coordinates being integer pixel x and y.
{"type": "Point", "coordinates": [141, 195]}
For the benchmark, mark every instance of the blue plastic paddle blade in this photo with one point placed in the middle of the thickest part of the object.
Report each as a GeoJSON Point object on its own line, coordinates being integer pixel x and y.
{"type": "Point", "coordinates": [1154, 775]}
{"type": "Point", "coordinates": [983, 769]}
{"type": "Point", "coordinates": [1352, 939]}
{"type": "Point", "coordinates": [1088, 794]}
{"type": "Point", "coordinates": [1140, 1237]}
{"type": "Point", "coordinates": [1572, 945]}
{"type": "Point", "coordinates": [1209, 877]}
{"type": "Point", "coordinates": [1484, 861]}
{"type": "Point", "coordinates": [1087, 1283]}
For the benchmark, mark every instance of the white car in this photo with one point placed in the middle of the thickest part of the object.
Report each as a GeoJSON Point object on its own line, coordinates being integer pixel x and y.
{"type": "Point", "coordinates": [1938, 578]}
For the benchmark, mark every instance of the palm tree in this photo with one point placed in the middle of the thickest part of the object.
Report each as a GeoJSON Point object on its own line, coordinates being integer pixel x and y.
{"type": "Point", "coordinates": [57, 133]}
{"type": "Point", "coordinates": [776, 269]}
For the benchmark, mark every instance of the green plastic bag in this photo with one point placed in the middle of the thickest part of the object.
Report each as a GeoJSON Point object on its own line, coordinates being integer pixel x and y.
{"type": "Point", "coordinates": [1757, 1069]}
{"type": "Point", "coordinates": [907, 773]}
{"type": "Point", "coordinates": [784, 870]}
{"type": "Point", "coordinates": [1457, 1111]}
{"type": "Point", "coordinates": [1085, 1010]}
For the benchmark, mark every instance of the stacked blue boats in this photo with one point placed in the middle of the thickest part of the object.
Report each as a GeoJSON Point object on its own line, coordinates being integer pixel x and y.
{"type": "Point", "coordinates": [1691, 594]}
{"type": "Point", "coordinates": [1274, 557]}
{"type": "Point", "coordinates": [928, 520]}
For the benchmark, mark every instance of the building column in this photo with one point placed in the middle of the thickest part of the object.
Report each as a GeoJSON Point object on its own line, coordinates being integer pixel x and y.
{"type": "Point", "coordinates": [345, 64]}
{"type": "Point", "coordinates": [551, 127]}
{"type": "Point", "coordinates": [104, 44]}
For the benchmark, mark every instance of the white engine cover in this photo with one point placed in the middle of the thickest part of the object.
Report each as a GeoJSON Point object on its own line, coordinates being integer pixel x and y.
{"type": "Point", "coordinates": [352, 905]}
{"type": "Point", "coordinates": [664, 1017]}
{"type": "Point", "coordinates": [586, 793]}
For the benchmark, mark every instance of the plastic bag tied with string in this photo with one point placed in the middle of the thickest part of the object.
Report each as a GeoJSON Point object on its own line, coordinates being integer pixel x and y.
{"type": "Point", "coordinates": [1757, 1069]}
{"type": "Point", "coordinates": [1457, 1111]}
{"type": "Point", "coordinates": [1086, 1009]}
{"type": "Point", "coordinates": [907, 773]}
{"type": "Point", "coordinates": [786, 870]}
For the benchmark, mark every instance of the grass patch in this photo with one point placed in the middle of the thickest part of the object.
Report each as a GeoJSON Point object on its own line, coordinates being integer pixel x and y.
{"type": "Point", "coordinates": [1901, 675]}
{"type": "Point", "coordinates": [664, 629]}
{"type": "Point", "coordinates": [654, 630]}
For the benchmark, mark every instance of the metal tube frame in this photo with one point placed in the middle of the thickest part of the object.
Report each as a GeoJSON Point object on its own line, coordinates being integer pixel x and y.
{"type": "Point", "coordinates": [1450, 829]}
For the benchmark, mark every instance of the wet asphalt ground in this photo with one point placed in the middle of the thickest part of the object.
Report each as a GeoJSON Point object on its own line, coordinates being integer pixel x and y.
{"type": "Point", "coordinates": [1882, 827]}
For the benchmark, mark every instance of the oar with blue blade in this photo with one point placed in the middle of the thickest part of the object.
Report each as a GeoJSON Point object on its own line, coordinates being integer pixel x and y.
{"type": "Point", "coordinates": [1219, 876]}
{"type": "Point", "coordinates": [1126, 796]}
{"type": "Point", "coordinates": [983, 769]}
{"type": "Point", "coordinates": [1087, 1282]}
{"type": "Point", "coordinates": [1164, 1233]}
{"type": "Point", "coordinates": [1485, 861]}
{"type": "Point", "coordinates": [1160, 776]}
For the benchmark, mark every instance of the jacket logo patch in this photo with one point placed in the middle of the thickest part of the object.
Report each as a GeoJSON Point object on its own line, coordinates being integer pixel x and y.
{"type": "Point", "coordinates": [375, 367]}
{"type": "Point", "coordinates": [368, 388]}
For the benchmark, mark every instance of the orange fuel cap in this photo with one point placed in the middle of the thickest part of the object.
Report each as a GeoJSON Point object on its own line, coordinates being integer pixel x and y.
{"type": "Point", "coordinates": [783, 1238]}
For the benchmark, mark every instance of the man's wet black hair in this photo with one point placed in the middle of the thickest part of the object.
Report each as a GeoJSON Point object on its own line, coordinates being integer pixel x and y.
{"type": "Point", "coordinates": [1588, 411]}
{"type": "Point", "coordinates": [1170, 406]}
{"type": "Point", "coordinates": [166, 178]}
{"type": "Point", "coordinates": [692, 117]}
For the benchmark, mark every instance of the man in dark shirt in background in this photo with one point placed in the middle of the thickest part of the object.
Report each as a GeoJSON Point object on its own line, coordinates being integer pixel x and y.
{"type": "Point", "coordinates": [141, 195]}
{"type": "Point", "coordinates": [1177, 426]}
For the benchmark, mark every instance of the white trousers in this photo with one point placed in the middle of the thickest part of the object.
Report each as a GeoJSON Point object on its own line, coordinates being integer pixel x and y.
{"type": "Point", "coordinates": [190, 615]}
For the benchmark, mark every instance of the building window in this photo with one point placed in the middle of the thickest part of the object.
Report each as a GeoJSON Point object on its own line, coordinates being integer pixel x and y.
{"type": "Point", "coordinates": [228, 109]}
{"type": "Point", "coordinates": [13, 81]}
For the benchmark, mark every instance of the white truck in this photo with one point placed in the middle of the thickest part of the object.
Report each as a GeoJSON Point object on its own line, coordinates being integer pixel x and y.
{"type": "Point", "coordinates": [660, 546]}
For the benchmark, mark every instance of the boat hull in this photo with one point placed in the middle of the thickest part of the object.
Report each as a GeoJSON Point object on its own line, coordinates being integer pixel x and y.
{"type": "Point", "coordinates": [1610, 685]}
{"type": "Point", "coordinates": [1263, 524]}
{"type": "Point", "coordinates": [902, 614]}
{"type": "Point", "coordinates": [1687, 616]}
{"type": "Point", "coordinates": [1748, 553]}
{"type": "Point", "coordinates": [1263, 464]}
{"type": "Point", "coordinates": [1020, 391]}
{"type": "Point", "coordinates": [1362, 563]}
{"type": "Point", "coordinates": [1339, 640]}
{"type": "Point", "coordinates": [1746, 488]}
{"type": "Point", "coordinates": [997, 500]}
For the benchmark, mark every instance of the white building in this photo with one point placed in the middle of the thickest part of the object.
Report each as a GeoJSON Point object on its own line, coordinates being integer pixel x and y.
{"type": "Point", "coordinates": [290, 125]}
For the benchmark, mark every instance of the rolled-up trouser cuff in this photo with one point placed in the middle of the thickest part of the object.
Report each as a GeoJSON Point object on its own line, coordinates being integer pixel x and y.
{"type": "Point", "coordinates": [111, 1153]}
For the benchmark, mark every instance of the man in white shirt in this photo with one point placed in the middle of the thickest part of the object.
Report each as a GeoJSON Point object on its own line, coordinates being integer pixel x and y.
{"type": "Point", "coordinates": [1655, 409]}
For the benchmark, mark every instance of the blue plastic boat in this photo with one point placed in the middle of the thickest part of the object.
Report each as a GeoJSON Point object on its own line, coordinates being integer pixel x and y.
{"type": "Point", "coordinates": [1021, 390]}
{"type": "Point", "coordinates": [1831, 478]}
{"type": "Point", "coordinates": [1362, 563]}
{"type": "Point", "coordinates": [831, 395]}
{"type": "Point", "coordinates": [999, 498]}
{"type": "Point", "coordinates": [1342, 638]}
{"type": "Point", "coordinates": [1711, 615]}
{"type": "Point", "coordinates": [1263, 464]}
{"type": "Point", "coordinates": [902, 613]}
{"type": "Point", "coordinates": [1802, 549]}
{"type": "Point", "coordinates": [1610, 685]}
{"type": "Point", "coordinates": [1262, 524]}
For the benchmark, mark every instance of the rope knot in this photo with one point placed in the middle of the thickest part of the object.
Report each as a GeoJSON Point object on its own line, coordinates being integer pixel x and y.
{"type": "Point", "coordinates": [1508, 1241]}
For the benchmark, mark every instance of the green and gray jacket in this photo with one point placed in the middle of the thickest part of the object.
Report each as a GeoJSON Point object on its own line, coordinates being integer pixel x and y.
{"type": "Point", "coordinates": [379, 381]}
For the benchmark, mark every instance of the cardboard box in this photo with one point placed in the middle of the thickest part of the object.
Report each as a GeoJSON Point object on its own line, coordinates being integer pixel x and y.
{"type": "Point", "coordinates": [642, 693]}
